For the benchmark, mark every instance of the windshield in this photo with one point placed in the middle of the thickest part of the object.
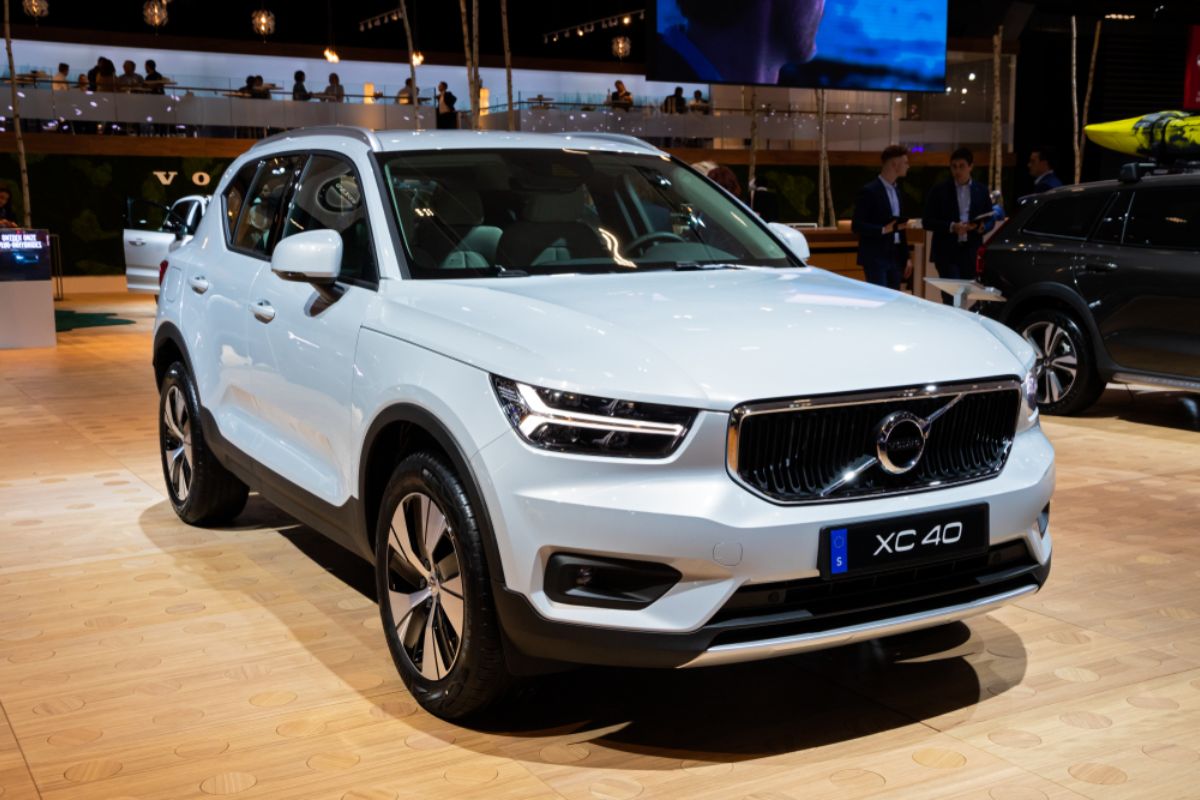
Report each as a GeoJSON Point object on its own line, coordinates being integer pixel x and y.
{"type": "Point", "coordinates": [472, 213]}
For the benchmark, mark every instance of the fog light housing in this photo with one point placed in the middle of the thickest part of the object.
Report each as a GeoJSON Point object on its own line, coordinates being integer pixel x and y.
{"type": "Point", "coordinates": [607, 582]}
{"type": "Point", "coordinates": [1043, 521]}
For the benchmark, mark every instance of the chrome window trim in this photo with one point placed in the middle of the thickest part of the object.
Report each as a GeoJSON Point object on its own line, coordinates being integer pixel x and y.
{"type": "Point", "coordinates": [743, 411]}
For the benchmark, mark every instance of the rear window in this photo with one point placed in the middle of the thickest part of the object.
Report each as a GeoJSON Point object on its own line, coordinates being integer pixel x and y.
{"type": "Point", "coordinates": [1166, 218]}
{"type": "Point", "coordinates": [1068, 217]}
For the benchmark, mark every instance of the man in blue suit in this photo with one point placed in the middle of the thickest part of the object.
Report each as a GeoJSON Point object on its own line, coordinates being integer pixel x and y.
{"type": "Point", "coordinates": [955, 214]}
{"type": "Point", "coordinates": [1041, 167]}
{"type": "Point", "coordinates": [880, 222]}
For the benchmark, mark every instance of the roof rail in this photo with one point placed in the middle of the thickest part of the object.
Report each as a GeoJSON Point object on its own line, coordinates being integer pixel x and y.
{"type": "Point", "coordinates": [363, 135]}
{"type": "Point", "coordinates": [614, 137]}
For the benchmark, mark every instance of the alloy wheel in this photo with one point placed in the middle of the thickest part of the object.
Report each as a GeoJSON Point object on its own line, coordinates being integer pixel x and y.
{"type": "Point", "coordinates": [425, 587]}
{"type": "Point", "coordinates": [177, 443]}
{"type": "Point", "coordinates": [1058, 363]}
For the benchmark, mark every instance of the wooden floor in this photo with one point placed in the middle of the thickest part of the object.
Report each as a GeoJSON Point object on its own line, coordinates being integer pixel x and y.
{"type": "Point", "coordinates": [143, 658]}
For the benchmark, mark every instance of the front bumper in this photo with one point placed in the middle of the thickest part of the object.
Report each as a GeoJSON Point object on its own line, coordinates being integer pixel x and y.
{"type": "Point", "coordinates": [688, 513]}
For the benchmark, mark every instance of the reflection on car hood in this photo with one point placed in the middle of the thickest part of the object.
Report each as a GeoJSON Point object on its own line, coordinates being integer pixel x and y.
{"type": "Point", "coordinates": [703, 339]}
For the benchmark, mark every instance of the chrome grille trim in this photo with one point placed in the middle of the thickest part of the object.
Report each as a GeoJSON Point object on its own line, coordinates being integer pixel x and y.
{"type": "Point", "coordinates": [744, 411]}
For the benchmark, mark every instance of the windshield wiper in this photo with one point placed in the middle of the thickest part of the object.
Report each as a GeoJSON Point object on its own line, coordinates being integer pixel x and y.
{"type": "Point", "coordinates": [696, 266]}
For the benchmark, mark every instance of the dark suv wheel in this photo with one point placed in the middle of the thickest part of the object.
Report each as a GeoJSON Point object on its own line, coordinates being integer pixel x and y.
{"type": "Point", "coordinates": [1067, 379]}
{"type": "Point", "coordinates": [434, 592]}
{"type": "Point", "coordinates": [201, 490]}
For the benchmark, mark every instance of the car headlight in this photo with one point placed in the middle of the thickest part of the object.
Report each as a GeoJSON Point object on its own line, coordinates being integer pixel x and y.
{"type": "Point", "coordinates": [587, 425]}
{"type": "Point", "coordinates": [1029, 400]}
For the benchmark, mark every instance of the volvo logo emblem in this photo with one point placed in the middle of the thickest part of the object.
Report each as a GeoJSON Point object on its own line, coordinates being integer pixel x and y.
{"type": "Point", "coordinates": [900, 441]}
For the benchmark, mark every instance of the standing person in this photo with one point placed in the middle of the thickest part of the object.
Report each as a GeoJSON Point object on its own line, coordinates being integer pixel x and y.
{"type": "Point", "coordinates": [1041, 167]}
{"type": "Point", "coordinates": [621, 97]}
{"type": "Point", "coordinates": [879, 223]}
{"type": "Point", "coordinates": [675, 103]}
{"type": "Point", "coordinates": [300, 92]}
{"type": "Point", "coordinates": [106, 76]}
{"type": "Point", "coordinates": [154, 80]}
{"type": "Point", "coordinates": [334, 92]}
{"type": "Point", "coordinates": [8, 218]}
{"type": "Point", "coordinates": [62, 79]}
{"type": "Point", "coordinates": [130, 80]}
{"type": "Point", "coordinates": [408, 95]}
{"type": "Point", "coordinates": [447, 117]}
{"type": "Point", "coordinates": [953, 215]}
{"type": "Point", "coordinates": [698, 104]}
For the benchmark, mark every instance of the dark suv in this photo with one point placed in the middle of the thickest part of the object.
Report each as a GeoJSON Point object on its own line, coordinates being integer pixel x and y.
{"type": "Point", "coordinates": [1103, 279]}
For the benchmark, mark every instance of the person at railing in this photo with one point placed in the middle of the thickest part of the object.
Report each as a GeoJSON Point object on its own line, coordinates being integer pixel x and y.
{"type": "Point", "coordinates": [674, 103]}
{"type": "Point", "coordinates": [447, 117]}
{"type": "Point", "coordinates": [155, 82]}
{"type": "Point", "coordinates": [698, 105]}
{"type": "Point", "coordinates": [106, 76]}
{"type": "Point", "coordinates": [260, 90]}
{"type": "Point", "coordinates": [130, 80]}
{"type": "Point", "coordinates": [62, 79]}
{"type": "Point", "coordinates": [248, 89]}
{"type": "Point", "coordinates": [621, 98]}
{"type": "Point", "coordinates": [81, 82]}
{"type": "Point", "coordinates": [334, 92]}
{"type": "Point", "coordinates": [409, 95]}
{"type": "Point", "coordinates": [300, 92]}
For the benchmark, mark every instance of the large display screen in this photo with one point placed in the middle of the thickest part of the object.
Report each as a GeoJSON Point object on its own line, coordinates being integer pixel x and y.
{"type": "Point", "coordinates": [835, 44]}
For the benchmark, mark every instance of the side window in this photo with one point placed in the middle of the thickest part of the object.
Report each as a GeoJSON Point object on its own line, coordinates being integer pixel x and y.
{"type": "Point", "coordinates": [329, 197]}
{"type": "Point", "coordinates": [256, 228]}
{"type": "Point", "coordinates": [235, 196]}
{"type": "Point", "coordinates": [1168, 218]}
{"type": "Point", "coordinates": [1112, 222]}
{"type": "Point", "coordinates": [1069, 217]}
{"type": "Point", "coordinates": [180, 217]}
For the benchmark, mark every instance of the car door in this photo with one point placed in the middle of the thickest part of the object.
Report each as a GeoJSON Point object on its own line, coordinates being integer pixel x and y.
{"type": "Point", "coordinates": [147, 244]}
{"type": "Point", "coordinates": [1055, 236]}
{"type": "Point", "coordinates": [302, 347]}
{"type": "Point", "coordinates": [1145, 294]}
{"type": "Point", "coordinates": [217, 287]}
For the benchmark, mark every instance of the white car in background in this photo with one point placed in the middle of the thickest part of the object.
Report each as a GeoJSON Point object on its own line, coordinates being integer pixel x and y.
{"type": "Point", "coordinates": [575, 403]}
{"type": "Point", "coordinates": [146, 250]}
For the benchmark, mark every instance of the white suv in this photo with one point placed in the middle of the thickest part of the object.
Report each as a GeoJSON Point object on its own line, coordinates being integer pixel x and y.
{"type": "Point", "coordinates": [577, 404]}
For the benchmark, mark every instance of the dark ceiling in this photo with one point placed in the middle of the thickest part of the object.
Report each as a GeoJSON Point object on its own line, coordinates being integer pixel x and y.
{"type": "Point", "coordinates": [438, 27]}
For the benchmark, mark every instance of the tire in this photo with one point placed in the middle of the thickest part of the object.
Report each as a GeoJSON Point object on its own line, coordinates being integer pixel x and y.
{"type": "Point", "coordinates": [201, 490]}
{"type": "Point", "coordinates": [1067, 378]}
{"type": "Point", "coordinates": [438, 614]}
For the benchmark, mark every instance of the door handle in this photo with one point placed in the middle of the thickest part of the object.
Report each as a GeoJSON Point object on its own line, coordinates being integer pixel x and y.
{"type": "Point", "coordinates": [1100, 266]}
{"type": "Point", "coordinates": [263, 311]}
{"type": "Point", "coordinates": [137, 242]}
{"type": "Point", "coordinates": [199, 284]}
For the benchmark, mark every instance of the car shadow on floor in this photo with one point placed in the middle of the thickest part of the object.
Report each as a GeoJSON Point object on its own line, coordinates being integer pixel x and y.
{"type": "Point", "coordinates": [712, 715]}
{"type": "Point", "coordinates": [1162, 407]}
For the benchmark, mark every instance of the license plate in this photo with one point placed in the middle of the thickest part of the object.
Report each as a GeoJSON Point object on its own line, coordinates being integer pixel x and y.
{"type": "Point", "coordinates": [898, 542]}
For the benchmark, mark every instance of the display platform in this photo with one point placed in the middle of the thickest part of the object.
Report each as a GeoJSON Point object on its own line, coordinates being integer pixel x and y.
{"type": "Point", "coordinates": [26, 290]}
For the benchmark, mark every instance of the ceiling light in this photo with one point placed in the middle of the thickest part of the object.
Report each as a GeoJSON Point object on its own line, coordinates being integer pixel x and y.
{"type": "Point", "coordinates": [331, 55]}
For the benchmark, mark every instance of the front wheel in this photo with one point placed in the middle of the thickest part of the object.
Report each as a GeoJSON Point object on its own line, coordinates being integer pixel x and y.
{"type": "Point", "coordinates": [434, 592]}
{"type": "Point", "coordinates": [1067, 378]}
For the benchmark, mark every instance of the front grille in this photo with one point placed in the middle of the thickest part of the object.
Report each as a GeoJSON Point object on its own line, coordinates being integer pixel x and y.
{"type": "Point", "coordinates": [811, 605]}
{"type": "Point", "coordinates": [795, 452]}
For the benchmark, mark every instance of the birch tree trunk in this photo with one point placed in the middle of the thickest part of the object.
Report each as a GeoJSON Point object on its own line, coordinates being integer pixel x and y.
{"type": "Point", "coordinates": [1075, 93]}
{"type": "Point", "coordinates": [512, 122]}
{"type": "Point", "coordinates": [412, 67]}
{"type": "Point", "coordinates": [822, 161]}
{"type": "Point", "coordinates": [462, 8]}
{"type": "Point", "coordinates": [1081, 137]}
{"type": "Point", "coordinates": [477, 86]}
{"type": "Point", "coordinates": [753, 144]}
{"type": "Point", "coordinates": [996, 161]}
{"type": "Point", "coordinates": [16, 119]}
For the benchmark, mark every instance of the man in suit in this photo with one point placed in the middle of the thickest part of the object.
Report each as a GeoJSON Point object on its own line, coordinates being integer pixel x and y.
{"type": "Point", "coordinates": [879, 222]}
{"type": "Point", "coordinates": [447, 117]}
{"type": "Point", "coordinates": [954, 215]}
{"type": "Point", "coordinates": [1041, 167]}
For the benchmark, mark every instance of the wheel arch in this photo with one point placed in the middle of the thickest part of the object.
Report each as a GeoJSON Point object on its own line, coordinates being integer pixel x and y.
{"type": "Point", "coordinates": [1061, 298]}
{"type": "Point", "coordinates": [398, 431]}
{"type": "Point", "coordinates": [168, 348]}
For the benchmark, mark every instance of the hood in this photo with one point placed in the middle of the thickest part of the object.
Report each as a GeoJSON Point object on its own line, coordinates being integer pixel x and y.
{"type": "Point", "coordinates": [706, 339]}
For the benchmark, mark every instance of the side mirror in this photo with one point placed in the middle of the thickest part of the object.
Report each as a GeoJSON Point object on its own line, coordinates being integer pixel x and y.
{"type": "Point", "coordinates": [312, 256]}
{"type": "Point", "coordinates": [793, 239]}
